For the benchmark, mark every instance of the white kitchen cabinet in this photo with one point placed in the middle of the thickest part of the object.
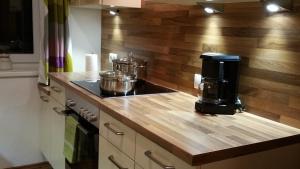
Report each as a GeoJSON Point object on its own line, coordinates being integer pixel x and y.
{"type": "Point", "coordinates": [57, 135]}
{"type": "Point", "coordinates": [151, 156]}
{"type": "Point", "coordinates": [45, 129]}
{"type": "Point", "coordinates": [107, 3]}
{"type": "Point", "coordinates": [122, 3]}
{"type": "Point", "coordinates": [57, 92]}
{"type": "Point", "coordinates": [52, 125]}
{"type": "Point", "coordinates": [118, 134]}
{"type": "Point", "coordinates": [111, 158]}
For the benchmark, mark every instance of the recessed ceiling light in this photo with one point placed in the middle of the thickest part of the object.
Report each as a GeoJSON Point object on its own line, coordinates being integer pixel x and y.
{"type": "Point", "coordinates": [209, 10]}
{"type": "Point", "coordinates": [114, 12]}
{"type": "Point", "coordinates": [272, 7]}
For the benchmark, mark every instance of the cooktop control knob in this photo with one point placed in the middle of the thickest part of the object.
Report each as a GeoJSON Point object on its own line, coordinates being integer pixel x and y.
{"type": "Point", "coordinates": [92, 118]}
{"type": "Point", "coordinates": [71, 103]}
{"type": "Point", "coordinates": [82, 111]}
{"type": "Point", "coordinates": [85, 114]}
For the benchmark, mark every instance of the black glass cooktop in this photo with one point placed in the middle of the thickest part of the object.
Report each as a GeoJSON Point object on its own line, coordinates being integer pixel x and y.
{"type": "Point", "coordinates": [141, 87]}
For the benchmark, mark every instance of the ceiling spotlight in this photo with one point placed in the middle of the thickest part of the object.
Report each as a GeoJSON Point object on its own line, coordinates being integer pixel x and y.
{"type": "Point", "coordinates": [272, 7]}
{"type": "Point", "coordinates": [211, 8]}
{"type": "Point", "coordinates": [114, 12]}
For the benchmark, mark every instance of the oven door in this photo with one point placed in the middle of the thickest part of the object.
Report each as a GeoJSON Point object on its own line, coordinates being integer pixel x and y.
{"type": "Point", "coordinates": [86, 144]}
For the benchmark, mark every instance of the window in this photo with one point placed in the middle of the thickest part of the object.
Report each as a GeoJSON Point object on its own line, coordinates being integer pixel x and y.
{"type": "Point", "coordinates": [16, 28]}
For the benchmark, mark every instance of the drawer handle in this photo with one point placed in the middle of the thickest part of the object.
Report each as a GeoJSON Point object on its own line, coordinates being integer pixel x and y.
{"type": "Point", "coordinates": [107, 125]}
{"type": "Point", "coordinates": [150, 156]}
{"type": "Point", "coordinates": [56, 89]}
{"type": "Point", "coordinates": [44, 99]}
{"type": "Point", "coordinates": [59, 111]}
{"type": "Point", "coordinates": [112, 159]}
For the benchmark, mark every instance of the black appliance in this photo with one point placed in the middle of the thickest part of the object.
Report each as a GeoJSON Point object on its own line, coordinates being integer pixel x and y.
{"type": "Point", "coordinates": [141, 87]}
{"type": "Point", "coordinates": [87, 143]}
{"type": "Point", "coordinates": [219, 84]}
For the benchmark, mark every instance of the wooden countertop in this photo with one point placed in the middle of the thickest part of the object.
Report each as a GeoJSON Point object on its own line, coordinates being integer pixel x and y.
{"type": "Point", "coordinates": [170, 121]}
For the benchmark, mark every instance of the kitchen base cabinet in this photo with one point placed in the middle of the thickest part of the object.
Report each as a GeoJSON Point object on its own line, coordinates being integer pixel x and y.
{"type": "Point", "coordinates": [111, 158]}
{"type": "Point", "coordinates": [118, 134]}
{"type": "Point", "coordinates": [151, 156]}
{"type": "Point", "coordinates": [45, 129]}
{"type": "Point", "coordinates": [52, 125]}
{"type": "Point", "coordinates": [57, 135]}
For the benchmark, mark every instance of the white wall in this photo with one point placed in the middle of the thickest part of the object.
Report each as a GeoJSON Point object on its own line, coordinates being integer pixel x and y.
{"type": "Point", "coordinates": [20, 106]}
{"type": "Point", "coordinates": [85, 30]}
{"type": "Point", "coordinates": [19, 121]}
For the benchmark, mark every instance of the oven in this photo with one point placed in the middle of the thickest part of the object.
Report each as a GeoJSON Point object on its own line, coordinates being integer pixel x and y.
{"type": "Point", "coordinates": [81, 147]}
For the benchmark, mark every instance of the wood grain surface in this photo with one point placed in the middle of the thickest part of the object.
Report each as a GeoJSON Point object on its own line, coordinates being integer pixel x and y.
{"type": "Point", "coordinates": [172, 37]}
{"type": "Point", "coordinates": [170, 121]}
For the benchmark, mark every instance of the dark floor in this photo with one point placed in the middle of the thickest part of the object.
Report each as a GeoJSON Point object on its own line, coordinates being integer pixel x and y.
{"type": "Point", "coordinates": [35, 166]}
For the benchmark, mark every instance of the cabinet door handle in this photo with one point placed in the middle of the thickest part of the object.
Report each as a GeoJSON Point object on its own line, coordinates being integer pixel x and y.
{"type": "Point", "coordinates": [107, 125]}
{"type": "Point", "coordinates": [59, 111]}
{"type": "Point", "coordinates": [112, 159]}
{"type": "Point", "coordinates": [151, 157]}
{"type": "Point", "coordinates": [44, 98]}
{"type": "Point", "coordinates": [56, 89]}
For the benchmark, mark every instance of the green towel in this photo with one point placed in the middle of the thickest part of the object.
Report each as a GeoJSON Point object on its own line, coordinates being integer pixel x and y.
{"type": "Point", "coordinates": [70, 145]}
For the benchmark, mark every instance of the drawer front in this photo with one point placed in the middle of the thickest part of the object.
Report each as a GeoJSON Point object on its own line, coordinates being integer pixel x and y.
{"type": "Point", "coordinates": [111, 158]}
{"type": "Point", "coordinates": [118, 134]}
{"type": "Point", "coordinates": [151, 156]}
{"type": "Point", "coordinates": [57, 92]}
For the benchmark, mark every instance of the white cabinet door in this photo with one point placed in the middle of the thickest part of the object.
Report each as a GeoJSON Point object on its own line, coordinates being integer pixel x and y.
{"type": "Point", "coordinates": [45, 129]}
{"type": "Point", "coordinates": [108, 3]}
{"type": "Point", "coordinates": [111, 158]}
{"type": "Point", "coordinates": [118, 134]}
{"type": "Point", "coordinates": [122, 3]}
{"type": "Point", "coordinates": [151, 156]}
{"type": "Point", "coordinates": [57, 92]}
{"type": "Point", "coordinates": [52, 127]}
{"type": "Point", "coordinates": [57, 134]}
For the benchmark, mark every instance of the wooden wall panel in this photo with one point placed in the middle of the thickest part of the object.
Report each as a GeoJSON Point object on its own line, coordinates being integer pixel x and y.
{"type": "Point", "coordinates": [172, 37]}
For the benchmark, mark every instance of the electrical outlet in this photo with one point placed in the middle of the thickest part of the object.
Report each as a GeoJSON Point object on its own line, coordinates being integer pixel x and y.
{"type": "Point", "coordinates": [197, 80]}
{"type": "Point", "coordinates": [112, 56]}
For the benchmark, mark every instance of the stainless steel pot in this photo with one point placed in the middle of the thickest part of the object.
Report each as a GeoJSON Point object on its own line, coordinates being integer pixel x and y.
{"type": "Point", "coordinates": [131, 66]}
{"type": "Point", "coordinates": [116, 82]}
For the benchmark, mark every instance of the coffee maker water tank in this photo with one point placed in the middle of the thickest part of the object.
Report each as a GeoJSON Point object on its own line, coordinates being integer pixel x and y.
{"type": "Point", "coordinates": [220, 83]}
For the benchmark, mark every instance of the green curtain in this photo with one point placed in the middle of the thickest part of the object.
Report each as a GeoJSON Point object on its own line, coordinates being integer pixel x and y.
{"type": "Point", "coordinates": [56, 51]}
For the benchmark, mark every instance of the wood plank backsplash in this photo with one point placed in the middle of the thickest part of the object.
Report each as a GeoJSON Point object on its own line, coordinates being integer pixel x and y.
{"type": "Point", "coordinates": [172, 37]}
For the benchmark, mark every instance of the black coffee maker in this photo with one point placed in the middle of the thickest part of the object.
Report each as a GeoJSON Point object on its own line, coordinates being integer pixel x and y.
{"type": "Point", "coordinates": [219, 84]}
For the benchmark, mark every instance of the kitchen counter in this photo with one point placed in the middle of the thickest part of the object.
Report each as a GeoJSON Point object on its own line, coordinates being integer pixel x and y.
{"type": "Point", "coordinates": [170, 121]}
